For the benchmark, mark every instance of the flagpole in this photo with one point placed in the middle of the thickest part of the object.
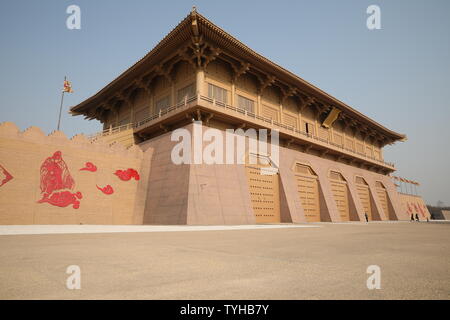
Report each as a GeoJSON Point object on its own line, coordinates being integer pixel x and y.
{"type": "Point", "coordinates": [60, 106]}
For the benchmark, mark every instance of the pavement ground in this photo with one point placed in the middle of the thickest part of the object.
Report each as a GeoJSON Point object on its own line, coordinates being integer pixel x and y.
{"type": "Point", "coordinates": [325, 261]}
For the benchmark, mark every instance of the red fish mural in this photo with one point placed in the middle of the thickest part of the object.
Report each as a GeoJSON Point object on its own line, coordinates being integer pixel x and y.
{"type": "Point", "coordinates": [89, 166]}
{"type": "Point", "coordinates": [55, 176]}
{"type": "Point", "coordinates": [5, 176]}
{"type": "Point", "coordinates": [106, 190]}
{"type": "Point", "coordinates": [126, 175]}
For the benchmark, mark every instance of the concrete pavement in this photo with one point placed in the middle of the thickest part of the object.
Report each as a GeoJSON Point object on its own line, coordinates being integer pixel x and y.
{"type": "Point", "coordinates": [328, 262]}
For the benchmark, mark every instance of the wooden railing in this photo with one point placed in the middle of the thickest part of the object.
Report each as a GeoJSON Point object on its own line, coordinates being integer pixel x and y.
{"type": "Point", "coordinates": [242, 112]}
{"type": "Point", "coordinates": [110, 131]}
{"type": "Point", "coordinates": [291, 128]}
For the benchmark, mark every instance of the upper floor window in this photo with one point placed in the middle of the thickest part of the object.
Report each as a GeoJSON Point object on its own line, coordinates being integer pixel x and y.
{"type": "Point", "coordinates": [186, 93]}
{"type": "Point", "coordinates": [246, 104]}
{"type": "Point", "coordinates": [162, 103]}
{"type": "Point", "coordinates": [309, 128]}
{"type": "Point", "coordinates": [217, 93]}
{"type": "Point", "coordinates": [124, 121]}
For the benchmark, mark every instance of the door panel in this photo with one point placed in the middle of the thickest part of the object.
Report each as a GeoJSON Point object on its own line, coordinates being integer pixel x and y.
{"type": "Point", "coordinates": [308, 191]}
{"type": "Point", "coordinates": [264, 194]}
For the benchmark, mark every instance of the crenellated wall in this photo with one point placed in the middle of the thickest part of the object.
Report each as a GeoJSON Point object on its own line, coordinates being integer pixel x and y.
{"type": "Point", "coordinates": [47, 179]}
{"type": "Point", "coordinates": [50, 179]}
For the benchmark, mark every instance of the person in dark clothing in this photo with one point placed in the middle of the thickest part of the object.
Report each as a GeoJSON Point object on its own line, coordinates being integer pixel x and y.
{"type": "Point", "coordinates": [367, 217]}
{"type": "Point", "coordinates": [417, 217]}
{"type": "Point", "coordinates": [412, 217]}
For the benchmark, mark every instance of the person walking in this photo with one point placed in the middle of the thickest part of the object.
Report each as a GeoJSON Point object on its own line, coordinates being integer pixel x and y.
{"type": "Point", "coordinates": [412, 217]}
{"type": "Point", "coordinates": [417, 217]}
{"type": "Point", "coordinates": [367, 217]}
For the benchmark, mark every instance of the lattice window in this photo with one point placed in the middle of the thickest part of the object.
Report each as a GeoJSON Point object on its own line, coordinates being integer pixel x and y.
{"type": "Point", "coordinates": [269, 112]}
{"type": "Point", "coordinates": [349, 144]}
{"type": "Point", "coordinates": [289, 120]}
{"type": "Point", "coordinates": [369, 152]}
{"type": "Point", "coordinates": [217, 93]}
{"type": "Point", "coordinates": [338, 139]}
{"type": "Point", "coordinates": [309, 127]}
{"type": "Point", "coordinates": [324, 133]}
{"type": "Point", "coordinates": [359, 147]}
{"type": "Point", "coordinates": [245, 103]}
{"type": "Point", "coordinates": [163, 103]}
{"type": "Point", "coordinates": [186, 93]}
{"type": "Point", "coordinates": [124, 121]}
{"type": "Point", "coordinates": [141, 114]}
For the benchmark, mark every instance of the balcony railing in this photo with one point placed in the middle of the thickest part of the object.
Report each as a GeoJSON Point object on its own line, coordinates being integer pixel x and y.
{"type": "Point", "coordinates": [110, 131]}
{"type": "Point", "coordinates": [291, 128]}
{"type": "Point", "coordinates": [242, 112]}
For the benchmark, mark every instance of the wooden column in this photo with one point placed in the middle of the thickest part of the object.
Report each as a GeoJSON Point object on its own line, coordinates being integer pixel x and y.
{"type": "Point", "coordinates": [200, 81]}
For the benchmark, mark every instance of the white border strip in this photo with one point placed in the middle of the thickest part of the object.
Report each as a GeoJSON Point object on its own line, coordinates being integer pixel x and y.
{"type": "Point", "coordinates": [69, 229]}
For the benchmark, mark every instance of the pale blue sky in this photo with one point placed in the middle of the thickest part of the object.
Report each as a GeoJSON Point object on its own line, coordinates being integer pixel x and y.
{"type": "Point", "coordinates": [399, 75]}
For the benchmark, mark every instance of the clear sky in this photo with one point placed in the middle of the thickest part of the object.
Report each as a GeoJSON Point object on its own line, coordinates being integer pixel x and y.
{"type": "Point", "coordinates": [399, 75]}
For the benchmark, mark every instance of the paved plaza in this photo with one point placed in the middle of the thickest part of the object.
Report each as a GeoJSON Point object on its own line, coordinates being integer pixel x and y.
{"type": "Point", "coordinates": [317, 261]}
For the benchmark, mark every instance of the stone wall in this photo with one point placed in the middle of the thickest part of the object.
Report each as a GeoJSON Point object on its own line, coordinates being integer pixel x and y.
{"type": "Point", "coordinates": [219, 194]}
{"type": "Point", "coordinates": [50, 180]}
{"type": "Point", "coordinates": [412, 204]}
{"type": "Point", "coordinates": [47, 179]}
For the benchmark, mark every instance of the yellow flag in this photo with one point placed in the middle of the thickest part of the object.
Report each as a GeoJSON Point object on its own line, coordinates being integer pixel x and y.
{"type": "Point", "coordinates": [67, 86]}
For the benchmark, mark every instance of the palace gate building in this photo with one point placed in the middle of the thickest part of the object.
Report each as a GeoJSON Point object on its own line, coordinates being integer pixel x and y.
{"type": "Point", "coordinates": [331, 165]}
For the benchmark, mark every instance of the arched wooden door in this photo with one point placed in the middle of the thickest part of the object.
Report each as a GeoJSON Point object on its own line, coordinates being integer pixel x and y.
{"type": "Point", "coordinates": [383, 198]}
{"type": "Point", "coordinates": [263, 182]}
{"type": "Point", "coordinates": [340, 194]}
{"type": "Point", "coordinates": [308, 192]}
{"type": "Point", "coordinates": [362, 188]}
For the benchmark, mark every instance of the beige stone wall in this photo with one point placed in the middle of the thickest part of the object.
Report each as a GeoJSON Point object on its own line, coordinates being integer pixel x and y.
{"type": "Point", "coordinates": [166, 193]}
{"type": "Point", "coordinates": [322, 167]}
{"type": "Point", "coordinates": [22, 154]}
{"type": "Point", "coordinates": [219, 194]}
{"type": "Point", "coordinates": [412, 204]}
{"type": "Point", "coordinates": [446, 214]}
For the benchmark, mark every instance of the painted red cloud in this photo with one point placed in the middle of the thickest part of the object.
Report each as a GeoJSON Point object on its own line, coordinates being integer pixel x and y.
{"type": "Point", "coordinates": [89, 166]}
{"type": "Point", "coordinates": [126, 175]}
{"type": "Point", "coordinates": [106, 190]}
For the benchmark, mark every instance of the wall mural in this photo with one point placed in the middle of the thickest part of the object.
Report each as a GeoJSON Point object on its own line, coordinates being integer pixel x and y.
{"type": "Point", "coordinates": [56, 182]}
{"type": "Point", "coordinates": [416, 208]}
{"type": "Point", "coordinates": [5, 176]}
{"type": "Point", "coordinates": [55, 176]}
{"type": "Point", "coordinates": [106, 190]}
{"type": "Point", "coordinates": [89, 166]}
{"type": "Point", "coordinates": [126, 175]}
{"type": "Point", "coordinates": [63, 199]}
